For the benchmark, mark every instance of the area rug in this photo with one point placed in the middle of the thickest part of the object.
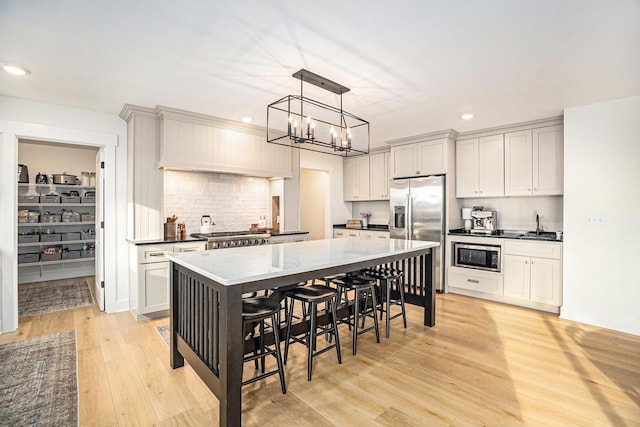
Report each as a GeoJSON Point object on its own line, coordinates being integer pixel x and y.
{"type": "Point", "coordinates": [38, 381]}
{"type": "Point", "coordinates": [163, 330]}
{"type": "Point", "coordinates": [47, 297]}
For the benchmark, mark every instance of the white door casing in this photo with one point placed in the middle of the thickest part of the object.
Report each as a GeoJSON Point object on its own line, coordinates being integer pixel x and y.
{"type": "Point", "coordinates": [11, 133]}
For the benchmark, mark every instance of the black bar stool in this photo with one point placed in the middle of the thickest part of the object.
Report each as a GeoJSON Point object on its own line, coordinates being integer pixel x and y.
{"type": "Point", "coordinates": [254, 313]}
{"type": "Point", "coordinates": [388, 277]}
{"type": "Point", "coordinates": [312, 295]}
{"type": "Point", "coordinates": [363, 287]}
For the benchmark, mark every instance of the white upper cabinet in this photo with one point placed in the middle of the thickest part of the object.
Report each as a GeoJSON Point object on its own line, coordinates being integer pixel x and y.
{"type": "Point", "coordinates": [480, 167]}
{"type": "Point", "coordinates": [196, 142]}
{"type": "Point", "coordinates": [424, 158]}
{"type": "Point", "coordinates": [356, 178]}
{"type": "Point", "coordinates": [534, 162]}
{"type": "Point", "coordinates": [379, 176]}
{"type": "Point", "coordinates": [548, 161]}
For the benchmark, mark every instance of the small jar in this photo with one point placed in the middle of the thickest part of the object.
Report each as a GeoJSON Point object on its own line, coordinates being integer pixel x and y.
{"type": "Point", "coordinates": [85, 179]}
{"type": "Point", "coordinates": [92, 179]}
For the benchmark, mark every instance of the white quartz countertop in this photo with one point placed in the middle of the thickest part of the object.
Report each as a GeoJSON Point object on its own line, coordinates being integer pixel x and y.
{"type": "Point", "coordinates": [251, 263]}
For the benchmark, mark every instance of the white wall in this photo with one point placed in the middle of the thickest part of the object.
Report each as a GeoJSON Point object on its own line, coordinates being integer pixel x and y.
{"type": "Point", "coordinates": [601, 177]}
{"type": "Point", "coordinates": [50, 158]}
{"type": "Point", "coordinates": [340, 211]}
{"type": "Point", "coordinates": [85, 124]}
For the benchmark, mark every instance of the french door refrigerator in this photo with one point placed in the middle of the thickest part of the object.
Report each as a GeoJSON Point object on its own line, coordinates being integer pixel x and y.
{"type": "Point", "coordinates": [417, 213]}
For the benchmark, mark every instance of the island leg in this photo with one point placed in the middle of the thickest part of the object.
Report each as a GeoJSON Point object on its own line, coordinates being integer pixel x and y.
{"type": "Point", "coordinates": [231, 356]}
{"type": "Point", "coordinates": [177, 361]}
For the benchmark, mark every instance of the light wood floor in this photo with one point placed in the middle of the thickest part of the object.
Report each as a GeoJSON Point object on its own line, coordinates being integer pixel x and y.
{"type": "Point", "coordinates": [483, 364]}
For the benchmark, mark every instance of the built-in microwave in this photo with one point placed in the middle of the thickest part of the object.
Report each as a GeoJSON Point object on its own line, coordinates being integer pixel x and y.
{"type": "Point", "coordinates": [481, 257]}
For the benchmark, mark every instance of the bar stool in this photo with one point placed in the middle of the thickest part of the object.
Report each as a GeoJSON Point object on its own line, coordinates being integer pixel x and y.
{"type": "Point", "coordinates": [312, 296]}
{"type": "Point", "coordinates": [254, 313]}
{"type": "Point", "coordinates": [363, 287]}
{"type": "Point", "coordinates": [388, 277]}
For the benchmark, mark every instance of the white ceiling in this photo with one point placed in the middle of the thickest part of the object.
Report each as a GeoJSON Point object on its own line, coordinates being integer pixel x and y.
{"type": "Point", "coordinates": [412, 66]}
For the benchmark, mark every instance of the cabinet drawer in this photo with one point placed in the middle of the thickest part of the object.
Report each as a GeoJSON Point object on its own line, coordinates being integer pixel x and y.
{"type": "Point", "coordinates": [475, 280]}
{"type": "Point", "coordinates": [189, 247]}
{"type": "Point", "coordinates": [535, 249]}
{"type": "Point", "coordinates": [155, 253]}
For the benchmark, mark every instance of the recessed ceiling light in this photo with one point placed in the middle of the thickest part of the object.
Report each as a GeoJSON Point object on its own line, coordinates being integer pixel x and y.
{"type": "Point", "coordinates": [247, 119]}
{"type": "Point", "coordinates": [466, 116]}
{"type": "Point", "coordinates": [15, 70]}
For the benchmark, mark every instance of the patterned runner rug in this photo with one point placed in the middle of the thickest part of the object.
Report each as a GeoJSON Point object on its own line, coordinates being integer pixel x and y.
{"type": "Point", "coordinates": [47, 297]}
{"type": "Point", "coordinates": [38, 381]}
{"type": "Point", "coordinates": [163, 330]}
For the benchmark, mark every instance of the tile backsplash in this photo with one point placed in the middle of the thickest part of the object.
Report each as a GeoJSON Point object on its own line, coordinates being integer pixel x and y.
{"type": "Point", "coordinates": [234, 202]}
{"type": "Point", "coordinates": [519, 213]}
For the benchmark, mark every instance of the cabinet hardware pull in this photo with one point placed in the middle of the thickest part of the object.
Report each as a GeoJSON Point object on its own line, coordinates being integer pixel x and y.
{"type": "Point", "coordinates": [157, 254]}
{"type": "Point", "coordinates": [526, 262]}
{"type": "Point", "coordinates": [473, 281]}
{"type": "Point", "coordinates": [188, 250]}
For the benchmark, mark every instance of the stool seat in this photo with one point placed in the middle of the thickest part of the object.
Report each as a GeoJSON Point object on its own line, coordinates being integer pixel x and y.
{"type": "Point", "coordinates": [313, 293]}
{"type": "Point", "coordinates": [257, 308]}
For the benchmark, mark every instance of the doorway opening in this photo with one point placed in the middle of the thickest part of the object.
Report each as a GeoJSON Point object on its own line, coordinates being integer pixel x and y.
{"type": "Point", "coordinates": [314, 203]}
{"type": "Point", "coordinates": [59, 207]}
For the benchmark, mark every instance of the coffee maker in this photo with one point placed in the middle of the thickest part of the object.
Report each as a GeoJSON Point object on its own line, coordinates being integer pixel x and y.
{"type": "Point", "coordinates": [483, 222]}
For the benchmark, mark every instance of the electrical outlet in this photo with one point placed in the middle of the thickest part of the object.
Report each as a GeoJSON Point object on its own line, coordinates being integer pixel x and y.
{"type": "Point", "coordinates": [594, 219]}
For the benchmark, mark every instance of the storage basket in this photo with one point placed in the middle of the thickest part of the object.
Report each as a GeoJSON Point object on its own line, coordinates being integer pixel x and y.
{"type": "Point", "coordinates": [70, 217]}
{"type": "Point", "coordinates": [74, 235]}
{"type": "Point", "coordinates": [88, 217]}
{"type": "Point", "coordinates": [52, 237]}
{"type": "Point", "coordinates": [71, 254]}
{"type": "Point", "coordinates": [88, 199]}
{"type": "Point", "coordinates": [50, 257]}
{"type": "Point", "coordinates": [50, 198]}
{"type": "Point", "coordinates": [28, 238]}
{"type": "Point", "coordinates": [70, 199]}
{"type": "Point", "coordinates": [87, 235]}
{"type": "Point", "coordinates": [49, 218]}
{"type": "Point", "coordinates": [23, 198]}
{"type": "Point", "coordinates": [25, 258]}
{"type": "Point", "coordinates": [89, 253]}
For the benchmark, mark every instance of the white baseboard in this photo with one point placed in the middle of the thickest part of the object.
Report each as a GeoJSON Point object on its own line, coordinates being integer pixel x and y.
{"type": "Point", "coordinates": [602, 320]}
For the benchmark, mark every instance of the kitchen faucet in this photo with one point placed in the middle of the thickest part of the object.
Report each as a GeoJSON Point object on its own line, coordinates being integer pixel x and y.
{"type": "Point", "coordinates": [538, 228]}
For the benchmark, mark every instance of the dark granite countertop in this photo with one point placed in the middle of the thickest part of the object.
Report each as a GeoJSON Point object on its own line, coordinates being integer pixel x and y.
{"type": "Point", "coordinates": [544, 236]}
{"type": "Point", "coordinates": [370, 227]}
{"type": "Point", "coordinates": [287, 233]}
{"type": "Point", "coordinates": [162, 241]}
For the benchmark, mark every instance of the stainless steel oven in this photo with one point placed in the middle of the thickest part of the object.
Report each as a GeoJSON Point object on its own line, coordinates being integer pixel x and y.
{"type": "Point", "coordinates": [480, 257]}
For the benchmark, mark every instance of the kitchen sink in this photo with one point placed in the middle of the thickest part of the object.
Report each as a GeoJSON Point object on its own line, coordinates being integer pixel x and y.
{"type": "Point", "coordinates": [541, 236]}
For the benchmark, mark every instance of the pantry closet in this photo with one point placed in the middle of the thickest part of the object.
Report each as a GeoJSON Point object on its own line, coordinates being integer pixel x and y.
{"type": "Point", "coordinates": [56, 215]}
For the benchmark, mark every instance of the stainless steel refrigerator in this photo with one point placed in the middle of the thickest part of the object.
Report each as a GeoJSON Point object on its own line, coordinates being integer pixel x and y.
{"type": "Point", "coordinates": [418, 213]}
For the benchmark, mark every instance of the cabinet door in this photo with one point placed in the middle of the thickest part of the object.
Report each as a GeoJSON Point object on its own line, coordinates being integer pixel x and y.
{"type": "Point", "coordinates": [518, 163]}
{"type": "Point", "coordinates": [365, 234]}
{"type": "Point", "coordinates": [153, 287]}
{"type": "Point", "coordinates": [467, 168]}
{"type": "Point", "coordinates": [548, 161]}
{"type": "Point", "coordinates": [432, 157]}
{"type": "Point", "coordinates": [403, 161]}
{"type": "Point", "coordinates": [379, 176]}
{"type": "Point", "coordinates": [545, 281]}
{"type": "Point", "coordinates": [362, 178]}
{"type": "Point", "coordinates": [350, 179]}
{"type": "Point", "coordinates": [491, 166]}
{"type": "Point", "coordinates": [516, 276]}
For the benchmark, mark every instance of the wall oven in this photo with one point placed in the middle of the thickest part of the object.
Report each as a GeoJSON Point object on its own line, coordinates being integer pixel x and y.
{"type": "Point", "coordinates": [480, 257]}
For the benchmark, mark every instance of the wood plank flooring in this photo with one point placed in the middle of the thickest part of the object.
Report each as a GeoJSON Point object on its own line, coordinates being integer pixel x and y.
{"type": "Point", "coordinates": [484, 363]}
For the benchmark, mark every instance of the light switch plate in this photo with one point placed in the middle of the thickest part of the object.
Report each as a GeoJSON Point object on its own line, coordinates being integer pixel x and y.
{"type": "Point", "coordinates": [594, 219]}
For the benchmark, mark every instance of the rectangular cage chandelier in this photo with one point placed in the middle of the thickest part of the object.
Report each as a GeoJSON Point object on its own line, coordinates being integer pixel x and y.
{"type": "Point", "coordinates": [300, 122]}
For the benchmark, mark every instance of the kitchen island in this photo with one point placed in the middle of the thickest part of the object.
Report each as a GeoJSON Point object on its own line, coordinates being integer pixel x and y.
{"type": "Point", "coordinates": [207, 287]}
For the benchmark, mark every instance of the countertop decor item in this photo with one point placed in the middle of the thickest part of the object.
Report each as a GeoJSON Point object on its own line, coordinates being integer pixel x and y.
{"type": "Point", "coordinates": [300, 122]}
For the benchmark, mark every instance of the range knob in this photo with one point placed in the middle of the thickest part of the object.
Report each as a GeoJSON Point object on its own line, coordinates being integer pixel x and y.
{"type": "Point", "coordinates": [225, 244]}
{"type": "Point", "coordinates": [256, 242]}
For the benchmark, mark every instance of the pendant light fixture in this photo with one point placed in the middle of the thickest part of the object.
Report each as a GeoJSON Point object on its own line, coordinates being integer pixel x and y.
{"type": "Point", "coordinates": [300, 122]}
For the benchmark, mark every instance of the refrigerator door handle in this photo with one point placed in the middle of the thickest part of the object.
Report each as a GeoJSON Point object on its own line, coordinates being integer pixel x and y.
{"type": "Point", "coordinates": [409, 216]}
